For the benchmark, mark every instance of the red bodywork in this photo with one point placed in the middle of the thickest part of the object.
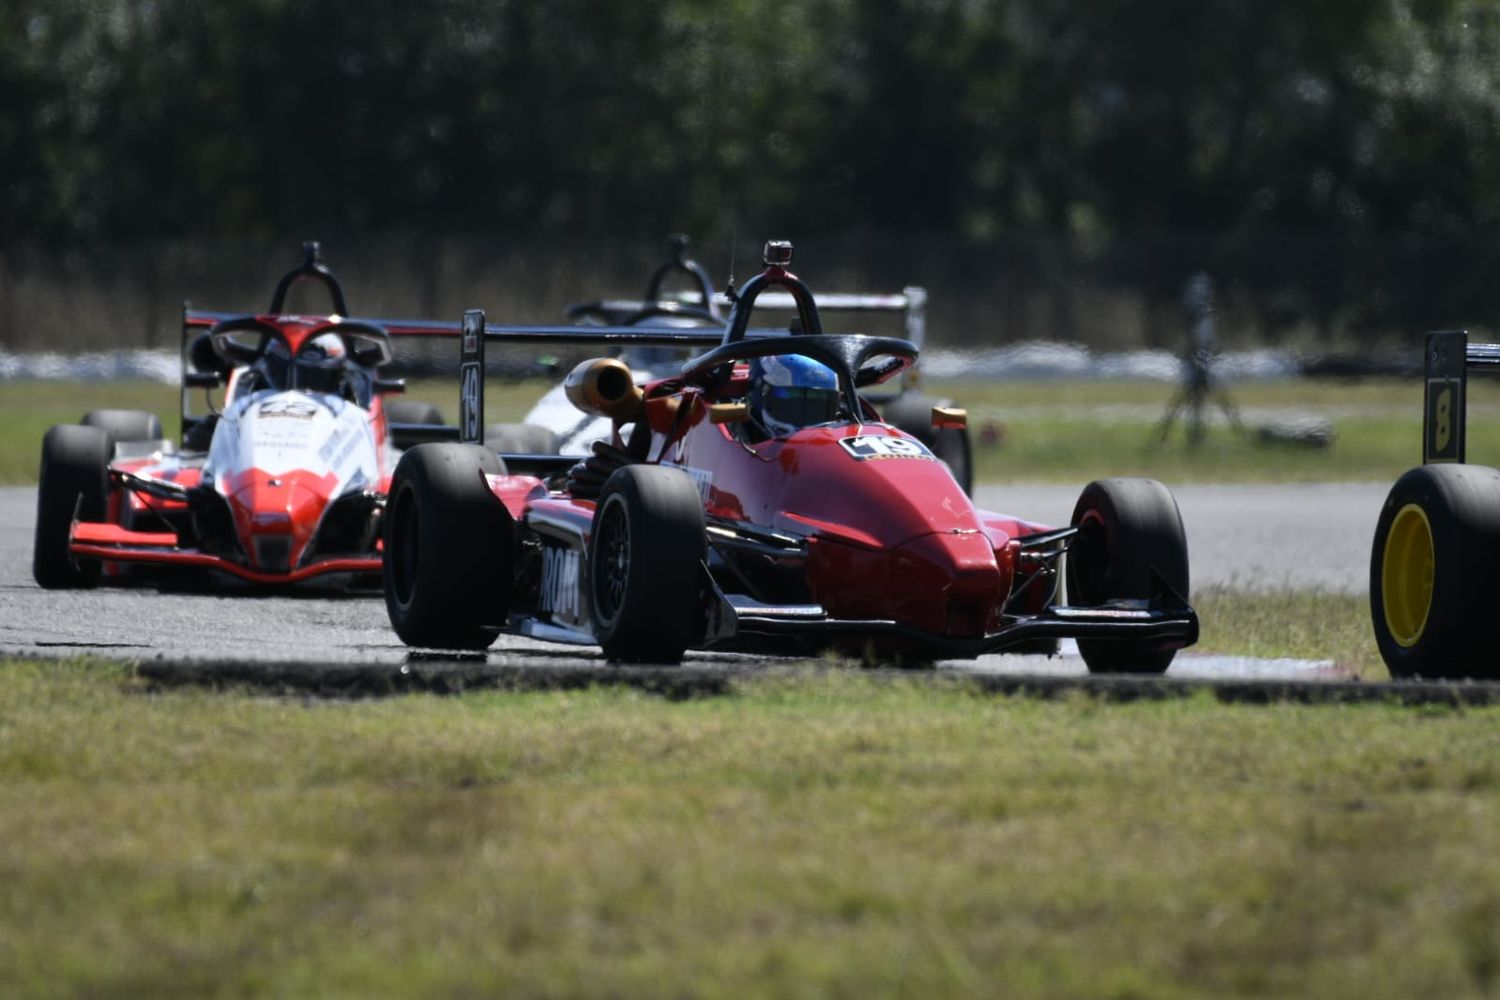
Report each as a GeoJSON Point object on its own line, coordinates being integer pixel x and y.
{"type": "Point", "coordinates": [893, 539]}
{"type": "Point", "coordinates": [287, 505]}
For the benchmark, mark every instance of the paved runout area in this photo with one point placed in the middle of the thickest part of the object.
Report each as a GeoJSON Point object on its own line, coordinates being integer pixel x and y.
{"type": "Point", "coordinates": [1261, 537]}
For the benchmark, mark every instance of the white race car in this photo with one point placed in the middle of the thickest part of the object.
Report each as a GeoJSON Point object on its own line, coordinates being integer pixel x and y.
{"type": "Point", "coordinates": [284, 483]}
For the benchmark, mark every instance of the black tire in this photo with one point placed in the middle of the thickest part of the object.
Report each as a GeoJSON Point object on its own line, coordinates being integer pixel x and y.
{"type": "Point", "coordinates": [645, 555]}
{"type": "Point", "coordinates": [448, 548]}
{"type": "Point", "coordinates": [1129, 533]}
{"type": "Point", "coordinates": [1433, 584]}
{"type": "Point", "coordinates": [522, 439]}
{"type": "Point", "coordinates": [406, 411]}
{"type": "Point", "coordinates": [74, 482]}
{"type": "Point", "coordinates": [124, 425]}
{"type": "Point", "coordinates": [912, 413]}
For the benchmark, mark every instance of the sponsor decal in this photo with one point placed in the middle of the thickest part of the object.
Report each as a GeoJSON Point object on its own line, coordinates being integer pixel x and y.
{"type": "Point", "coordinates": [473, 321]}
{"type": "Point", "coordinates": [704, 478]}
{"type": "Point", "coordinates": [470, 403]}
{"type": "Point", "coordinates": [326, 452]}
{"type": "Point", "coordinates": [294, 409]}
{"type": "Point", "coordinates": [559, 591]}
{"type": "Point", "coordinates": [471, 387]}
{"type": "Point", "coordinates": [343, 456]}
{"type": "Point", "coordinates": [876, 446]}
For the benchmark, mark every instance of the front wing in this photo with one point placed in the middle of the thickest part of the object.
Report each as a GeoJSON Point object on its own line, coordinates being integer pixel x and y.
{"type": "Point", "coordinates": [112, 543]}
{"type": "Point", "coordinates": [1166, 621]}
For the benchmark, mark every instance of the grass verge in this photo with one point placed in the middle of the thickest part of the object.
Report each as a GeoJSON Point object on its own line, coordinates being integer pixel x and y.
{"type": "Point", "coordinates": [1309, 625]}
{"type": "Point", "coordinates": [828, 835]}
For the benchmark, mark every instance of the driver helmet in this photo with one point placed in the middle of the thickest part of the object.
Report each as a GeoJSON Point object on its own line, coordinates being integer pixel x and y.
{"type": "Point", "coordinates": [321, 363]}
{"type": "Point", "coordinates": [792, 391]}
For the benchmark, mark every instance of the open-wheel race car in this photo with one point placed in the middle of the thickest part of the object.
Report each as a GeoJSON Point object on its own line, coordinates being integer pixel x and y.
{"type": "Point", "coordinates": [755, 501]}
{"type": "Point", "coordinates": [284, 482]}
{"type": "Point", "coordinates": [1433, 565]}
{"type": "Point", "coordinates": [554, 423]}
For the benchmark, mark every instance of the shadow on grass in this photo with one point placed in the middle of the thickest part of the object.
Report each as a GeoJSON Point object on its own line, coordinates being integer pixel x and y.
{"type": "Point", "coordinates": [457, 673]}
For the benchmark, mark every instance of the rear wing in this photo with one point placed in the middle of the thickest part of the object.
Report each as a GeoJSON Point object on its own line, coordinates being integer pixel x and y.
{"type": "Point", "coordinates": [472, 334]}
{"type": "Point", "coordinates": [1448, 360]}
{"type": "Point", "coordinates": [910, 301]}
{"type": "Point", "coordinates": [475, 331]}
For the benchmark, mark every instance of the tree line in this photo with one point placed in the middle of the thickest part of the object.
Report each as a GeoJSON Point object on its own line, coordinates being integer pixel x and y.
{"type": "Point", "coordinates": [1333, 163]}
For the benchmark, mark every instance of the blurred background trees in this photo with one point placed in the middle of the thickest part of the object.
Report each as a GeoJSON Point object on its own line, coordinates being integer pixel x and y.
{"type": "Point", "coordinates": [1047, 168]}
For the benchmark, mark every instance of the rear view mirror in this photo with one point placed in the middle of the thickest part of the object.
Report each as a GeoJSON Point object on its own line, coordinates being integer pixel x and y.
{"type": "Point", "coordinates": [728, 413]}
{"type": "Point", "coordinates": [950, 416]}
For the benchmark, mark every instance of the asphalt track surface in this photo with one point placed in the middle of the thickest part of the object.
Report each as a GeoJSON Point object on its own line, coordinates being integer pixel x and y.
{"type": "Point", "coordinates": [1247, 537]}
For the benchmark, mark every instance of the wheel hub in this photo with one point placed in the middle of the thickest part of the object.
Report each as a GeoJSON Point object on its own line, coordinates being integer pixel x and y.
{"type": "Point", "coordinates": [1406, 575]}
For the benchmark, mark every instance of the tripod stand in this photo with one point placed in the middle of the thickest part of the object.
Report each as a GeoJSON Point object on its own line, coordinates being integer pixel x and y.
{"type": "Point", "coordinates": [1199, 386]}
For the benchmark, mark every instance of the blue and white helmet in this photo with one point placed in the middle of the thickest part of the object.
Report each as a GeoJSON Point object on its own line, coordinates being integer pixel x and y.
{"type": "Point", "coordinates": [791, 391]}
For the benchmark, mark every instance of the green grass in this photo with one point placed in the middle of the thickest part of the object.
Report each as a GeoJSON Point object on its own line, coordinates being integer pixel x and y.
{"type": "Point", "coordinates": [1067, 431]}
{"type": "Point", "coordinates": [826, 835]}
{"type": "Point", "coordinates": [1058, 432]}
{"type": "Point", "coordinates": [1306, 625]}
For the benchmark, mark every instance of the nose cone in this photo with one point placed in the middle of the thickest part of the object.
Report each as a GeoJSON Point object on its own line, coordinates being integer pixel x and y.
{"type": "Point", "coordinates": [947, 583]}
{"type": "Point", "coordinates": [874, 484]}
{"type": "Point", "coordinates": [276, 516]}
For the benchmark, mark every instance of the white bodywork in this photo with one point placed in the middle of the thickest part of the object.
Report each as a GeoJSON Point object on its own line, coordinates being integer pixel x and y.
{"type": "Point", "coordinates": [278, 432]}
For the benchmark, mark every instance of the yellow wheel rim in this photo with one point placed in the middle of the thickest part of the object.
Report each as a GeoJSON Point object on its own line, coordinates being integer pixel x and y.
{"type": "Point", "coordinates": [1406, 575]}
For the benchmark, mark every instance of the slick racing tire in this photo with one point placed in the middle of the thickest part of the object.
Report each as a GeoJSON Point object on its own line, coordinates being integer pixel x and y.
{"type": "Point", "coordinates": [645, 560]}
{"type": "Point", "coordinates": [522, 439]}
{"type": "Point", "coordinates": [74, 484]}
{"type": "Point", "coordinates": [124, 425]}
{"type": "Point", "coordinates": [912, 413]}
{"type": "Point", "coordinates": [448, 548]}
{"type": "Point", "coordinates": [1129, 533]}
{"type": "Point", "coordinates": [406, 411]}
{"type": "Point", "coordinates": [1433, 581]}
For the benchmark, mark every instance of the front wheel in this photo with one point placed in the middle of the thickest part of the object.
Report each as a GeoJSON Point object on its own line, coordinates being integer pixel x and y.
{"type": "Point", "coordinates": [448, 548]}
{"type": "Point", "coordinates": [73, 485]}
{"type": "Point", "coordinates": [1432, 572]}
{"type": "Point", "coordinates": [124, 425]}
{"type": "Point", "coordinates": [1129, 541]}
{"type": "Point", "coordinates": [645, 554]}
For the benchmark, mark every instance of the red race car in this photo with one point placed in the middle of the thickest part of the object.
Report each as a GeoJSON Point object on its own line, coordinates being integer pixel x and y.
{"type": "Point", "coordinates": [755, 501]}
{"type": "Point", "coordinates": [283, 483]}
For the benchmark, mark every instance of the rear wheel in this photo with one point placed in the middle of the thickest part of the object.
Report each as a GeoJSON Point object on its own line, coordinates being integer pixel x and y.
{"type": "Point", "coordinates": [1129, 534]}
{"type": "Point", "coordinates": [1432, 572]}
{"type": "Point", "coordinates": [912, 413]}
{"type": "Point", "coordinates": [74, 484]}
{"type": "Point", "coordinates": [448, 548]}
{"type": "Point", "coordinates": [522, 439]}
{"type": "Point", "coordinates": [406, 411]}
{"type": "Point", "coordinates": [645, 555]}
{"type": "Point", "coordinates": [124, 425]}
